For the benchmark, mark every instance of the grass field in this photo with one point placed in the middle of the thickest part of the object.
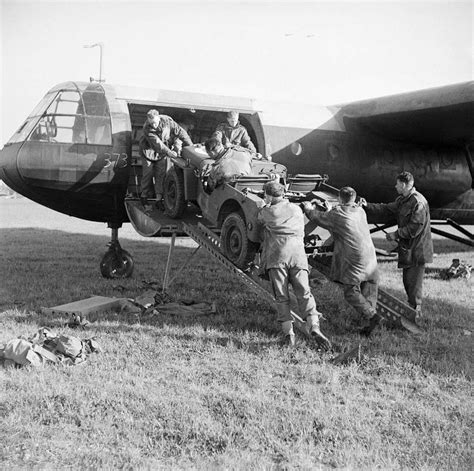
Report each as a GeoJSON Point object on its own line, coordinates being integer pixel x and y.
{"type": "Point", "coordinates": [218, 391]}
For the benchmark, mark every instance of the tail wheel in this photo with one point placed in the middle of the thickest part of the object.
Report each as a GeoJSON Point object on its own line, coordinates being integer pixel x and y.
{"type": "Point", "coordinates": [173, 197]}
{"type": "Point", "coordinates": [234, 241]}
{"type": "Point", "coordinates": [116, 263]}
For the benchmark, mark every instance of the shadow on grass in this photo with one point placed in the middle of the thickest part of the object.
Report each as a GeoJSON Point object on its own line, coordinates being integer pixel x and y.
{"type": "Point", "coordinates": [45, 268]}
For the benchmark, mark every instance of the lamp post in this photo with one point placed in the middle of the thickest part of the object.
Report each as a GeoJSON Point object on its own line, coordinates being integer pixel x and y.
{"type": "Point", "coordinates": [101, 46]}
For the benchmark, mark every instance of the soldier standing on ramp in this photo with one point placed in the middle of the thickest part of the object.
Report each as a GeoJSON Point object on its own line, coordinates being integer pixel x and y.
{"type": "Point", "coordinates": [159, 132]}
{"type": "Point", "coordinates": [285, 260]}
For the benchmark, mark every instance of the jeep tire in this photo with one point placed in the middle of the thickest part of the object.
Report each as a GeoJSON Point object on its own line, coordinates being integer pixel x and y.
{"type": "Point", "coordinates": [173, 193]}
{"type": "Point", "coordinates": [234, 241]}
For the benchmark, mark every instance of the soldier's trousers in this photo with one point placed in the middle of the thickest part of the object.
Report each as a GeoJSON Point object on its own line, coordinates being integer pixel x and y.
{"type": "Point", "coordinates": [413, 283]}
{"type": "Point", "coordinates": [281, 279]}
{"type": "Point", "coordinates": [152, 171]}
{"type": "Point", "coordinates": [362, 297]}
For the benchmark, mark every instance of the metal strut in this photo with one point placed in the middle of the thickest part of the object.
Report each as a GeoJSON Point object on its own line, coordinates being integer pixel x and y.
{"type": "Point", "coordinates": [207, 239]}
{"type": "Point", "coordinates": [388, 306]}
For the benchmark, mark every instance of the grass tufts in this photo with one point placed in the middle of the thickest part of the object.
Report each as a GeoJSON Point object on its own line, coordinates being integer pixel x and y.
{"type": "Point", "coordinates": [218, 391]}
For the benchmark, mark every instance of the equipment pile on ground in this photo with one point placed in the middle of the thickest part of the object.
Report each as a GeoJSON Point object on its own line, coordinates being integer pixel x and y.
{"type": "Point", "coordinates": [156, 302]}
{"type": "Point", "coordinates": [47, 347]}
{"type": "Point", "coordinates": [458, 269]}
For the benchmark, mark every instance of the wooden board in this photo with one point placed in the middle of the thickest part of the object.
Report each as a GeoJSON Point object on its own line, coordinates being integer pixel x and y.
{"type": "Point", "coordinates": [85, 306]}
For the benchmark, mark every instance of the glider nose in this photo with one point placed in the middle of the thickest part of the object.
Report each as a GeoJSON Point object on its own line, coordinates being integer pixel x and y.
{"type": "Point", "coordinates": [8, 167]}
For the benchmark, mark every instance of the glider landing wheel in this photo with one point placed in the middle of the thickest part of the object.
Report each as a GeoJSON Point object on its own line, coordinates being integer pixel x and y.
{"type": "Point", "coordinates": [117, 262]}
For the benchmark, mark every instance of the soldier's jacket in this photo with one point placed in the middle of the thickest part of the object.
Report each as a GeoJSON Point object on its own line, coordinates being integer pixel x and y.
{"type": "Point", "coordinates": [283, 244]}
{"type": "Point", "coordinates": [234, 135]}
{"type": "Point", "coordinates": [414, 228]}
{"type": "Point", "coordinates": [156, 142]}
{"type": "Point", "coordinates": [354, 259]}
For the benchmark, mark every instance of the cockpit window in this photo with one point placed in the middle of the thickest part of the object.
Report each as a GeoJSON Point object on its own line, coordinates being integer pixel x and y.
{"type": "Point", "coordinates": [97, 117]}
{"type": "Point", "coordinates": [25, 129]}
{"type": "Point", "coordinates": [41, 106]}
{"type": "Point", "coordinates": [67, 102]}
{"type": "Point", "coordinates": [75, 118]}
{"type": "Point", "coordinates": [70, 129]}
{"type": "Point", "coordinates": [95, 103]}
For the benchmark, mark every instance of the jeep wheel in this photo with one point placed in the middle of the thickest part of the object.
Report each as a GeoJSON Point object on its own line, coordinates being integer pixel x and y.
{"type": "Point", "coordinates": [234, 241]}
{"type": "Point", "coordinates": [173, 197]}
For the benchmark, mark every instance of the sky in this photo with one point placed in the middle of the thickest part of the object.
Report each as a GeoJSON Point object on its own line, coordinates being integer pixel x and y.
{"type": "Point", "coordinates": [322, 52]}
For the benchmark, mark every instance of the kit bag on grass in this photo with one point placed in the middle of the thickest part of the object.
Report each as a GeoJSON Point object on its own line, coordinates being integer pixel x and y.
{"type": "Point", "coordinates": [45, 346]}
{"type": "Point", "coordinates": [22, 352]}
{"type": "Point", "coordinates": [71, 347]}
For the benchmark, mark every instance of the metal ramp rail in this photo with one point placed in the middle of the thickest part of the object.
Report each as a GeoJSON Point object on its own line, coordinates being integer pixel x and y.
{"type": "Point", "coordinates": [388, 307]}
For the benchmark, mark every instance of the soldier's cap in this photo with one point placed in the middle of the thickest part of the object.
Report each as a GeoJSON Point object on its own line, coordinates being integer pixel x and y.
{"type": "Point", "coordinates": [274, 189]}
{"type": "Point", "coordinates": [152, 113]}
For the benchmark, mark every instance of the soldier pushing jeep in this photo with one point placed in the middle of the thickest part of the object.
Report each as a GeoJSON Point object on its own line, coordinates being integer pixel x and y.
{"type": "Point", "coordinates": [284, 259]}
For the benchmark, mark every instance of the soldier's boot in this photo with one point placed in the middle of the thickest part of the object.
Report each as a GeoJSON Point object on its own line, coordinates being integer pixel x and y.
{"type": "Point", "coordinates": [312, 325]}
{"type": "Point", "coordinates": [288, 333]}
{"type": "Point", "coordinates": [369, 324]}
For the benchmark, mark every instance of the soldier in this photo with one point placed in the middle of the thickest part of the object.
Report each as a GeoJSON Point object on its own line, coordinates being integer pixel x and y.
{"type": "Point", "coordinates": [415, 247]}
{"type": "Point", "coordinates": [354, 262]}
{"type": "Point", "coordinates": [159, 132]}
{"type": "Point", "coordinates": [285, 261]}
{"type": "Point", "coordinates": [232, 133]}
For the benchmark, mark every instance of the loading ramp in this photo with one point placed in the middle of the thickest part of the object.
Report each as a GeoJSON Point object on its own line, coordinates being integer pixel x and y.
{"type": "Point", "coordinates": [207, 239]}
{"type": "Point", "coordinates": [389, 307]}
{"type": "Point", "coordinates": [302, 187]}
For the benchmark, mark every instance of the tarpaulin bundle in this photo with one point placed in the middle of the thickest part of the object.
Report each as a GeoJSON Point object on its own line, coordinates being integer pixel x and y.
{"type": "Point", "coordinates": [153, 302]}
{"type": "Point", "coordinates": [47, 347]}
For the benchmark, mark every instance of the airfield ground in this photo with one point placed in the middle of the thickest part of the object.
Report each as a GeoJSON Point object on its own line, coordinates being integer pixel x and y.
{"type": "Point", "coordinates": [217, 391]}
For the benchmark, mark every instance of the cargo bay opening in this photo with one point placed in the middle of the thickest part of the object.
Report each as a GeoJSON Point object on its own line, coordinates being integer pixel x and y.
{"type": "Point", "coordinates": [205, 122]}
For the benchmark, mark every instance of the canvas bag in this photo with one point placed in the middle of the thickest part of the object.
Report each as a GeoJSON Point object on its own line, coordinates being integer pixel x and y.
{"type": "Point", "coordinates": [70, 346]}
{"type": "Point", "coordinates": [21, 352]}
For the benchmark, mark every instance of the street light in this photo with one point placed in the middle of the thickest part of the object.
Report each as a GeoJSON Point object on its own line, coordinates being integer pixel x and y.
{"type": "Point", "coordinates": [101, 46]}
